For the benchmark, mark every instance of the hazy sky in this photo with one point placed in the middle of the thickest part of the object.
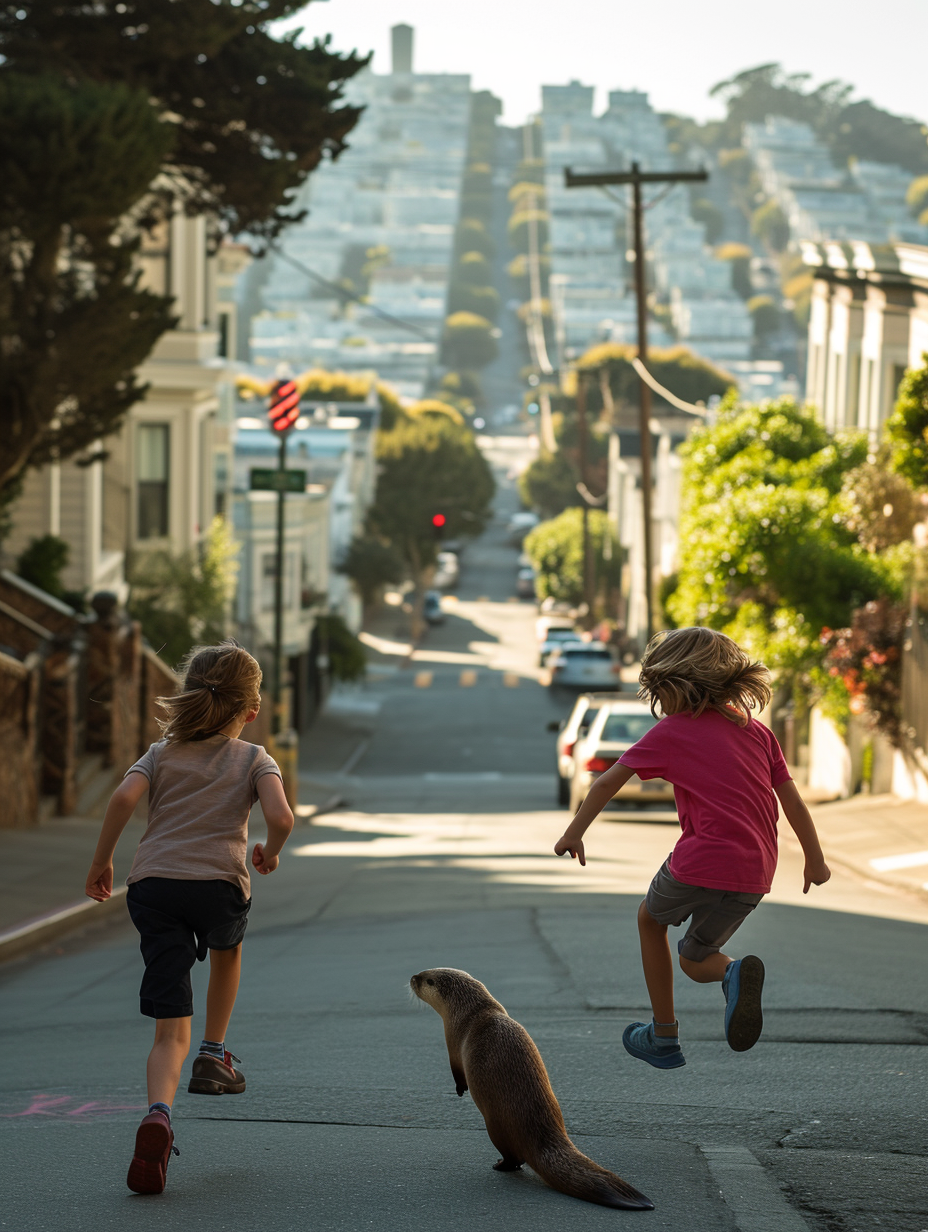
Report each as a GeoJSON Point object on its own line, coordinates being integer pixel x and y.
{"type": "Point", "coordinates": [674, 49]}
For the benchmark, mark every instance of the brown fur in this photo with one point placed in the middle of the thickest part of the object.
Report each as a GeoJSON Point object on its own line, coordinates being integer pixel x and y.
{"type": "Point", "coordinates": [495, 1058]}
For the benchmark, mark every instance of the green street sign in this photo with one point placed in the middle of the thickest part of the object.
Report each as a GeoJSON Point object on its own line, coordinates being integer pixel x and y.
{"type": "Point", "coordinates": [268, 480]}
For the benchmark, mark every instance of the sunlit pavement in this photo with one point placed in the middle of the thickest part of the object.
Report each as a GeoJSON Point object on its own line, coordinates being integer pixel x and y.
{"type": "Point", "coordinates": [442, 856]}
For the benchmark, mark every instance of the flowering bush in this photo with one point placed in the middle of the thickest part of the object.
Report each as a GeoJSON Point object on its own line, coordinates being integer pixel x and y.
{"type": "Point", "coordinates": [862, 671]}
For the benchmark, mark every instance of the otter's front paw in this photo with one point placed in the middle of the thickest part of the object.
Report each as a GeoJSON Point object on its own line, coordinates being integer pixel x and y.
{"type": "Point", "coordinates": [461, 1088]}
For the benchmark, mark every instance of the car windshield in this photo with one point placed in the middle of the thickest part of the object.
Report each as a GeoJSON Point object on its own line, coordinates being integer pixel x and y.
{"type": "Point", "coordinates": [626, 728]}
{"type": "Point", "coordinates": [587, 718]}
{"type": "Point", "coordinates": [586, 652]}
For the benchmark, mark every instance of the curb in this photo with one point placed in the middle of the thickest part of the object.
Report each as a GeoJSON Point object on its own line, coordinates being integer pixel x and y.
{"type": "Point", "coordinates": [15, 942]}
{"type": "Point", "coordinates": [872, 877]}
{"type": "Point", "coordinates": [309, 812]}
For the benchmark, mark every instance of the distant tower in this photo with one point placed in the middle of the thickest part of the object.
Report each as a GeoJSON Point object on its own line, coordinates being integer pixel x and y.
{"type": "Point", "coordinates": [402, 48]}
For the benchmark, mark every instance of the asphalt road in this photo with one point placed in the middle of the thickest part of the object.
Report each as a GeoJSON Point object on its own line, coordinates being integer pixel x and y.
{"type": "Point", "coordinates": [442, 856]}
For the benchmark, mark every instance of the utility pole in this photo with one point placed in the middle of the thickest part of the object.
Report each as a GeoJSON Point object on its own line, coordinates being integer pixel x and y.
{"type": "Point", "coordinates": [283, 411]}
{"type": "Point", "coordinates": [583, 442]}
{"type": "Point", "coordinates": [636, 177]}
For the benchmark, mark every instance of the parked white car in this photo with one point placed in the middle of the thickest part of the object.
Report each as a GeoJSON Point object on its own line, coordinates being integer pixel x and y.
{"type": "Point", "coordinates": [447, 570]}
{"type": "Point", "coordinates": [555, 639]}
{"type": "Point", "coordinates": [519, 526]}
{"type": "Point", "coordinates": [584, 665]}
{"type": "Point", "coordinates": [586, 708]}
{"type": "Point", "coordinates": [553, 618]}
{"type": "Point", "coordinates": [617, 726]}
{"type": "Point", "coordinates": [525, 582]}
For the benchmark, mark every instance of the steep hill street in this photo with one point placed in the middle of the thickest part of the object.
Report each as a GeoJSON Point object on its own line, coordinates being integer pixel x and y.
{"type": "Point", "coordinates": [441, 855]}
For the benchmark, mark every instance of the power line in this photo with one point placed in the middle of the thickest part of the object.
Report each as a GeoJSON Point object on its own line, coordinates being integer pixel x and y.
{"type": "Point", "coordinates": [348, 296]}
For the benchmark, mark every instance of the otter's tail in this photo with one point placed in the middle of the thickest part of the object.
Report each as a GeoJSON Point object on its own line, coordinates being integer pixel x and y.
{"type": "Point", "coordinates": [571, 1172]}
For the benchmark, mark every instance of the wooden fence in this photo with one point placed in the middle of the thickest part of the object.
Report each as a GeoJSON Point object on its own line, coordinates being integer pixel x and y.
{"type": "Point", "coordinates": [72, 688]}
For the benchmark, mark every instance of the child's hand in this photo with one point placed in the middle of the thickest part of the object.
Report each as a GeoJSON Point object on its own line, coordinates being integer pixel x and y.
{"type": "Point", "coordinates": [264, 864]}
{"type": "Point", "coordinates": [99, 883]}
{"type": "Point", "coordinates": [815, 874]}
{"type": "Point", "coordinates": [574, 845]}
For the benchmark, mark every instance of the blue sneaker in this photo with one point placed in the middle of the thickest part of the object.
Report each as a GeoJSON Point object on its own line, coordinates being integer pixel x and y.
{"type": "Point", "coordinates": [663, 1052]}
{"type": "Point", "coordinates": [742, 986]}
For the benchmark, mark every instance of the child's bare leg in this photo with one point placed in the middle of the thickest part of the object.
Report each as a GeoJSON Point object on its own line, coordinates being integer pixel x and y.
{"type": "Point", "coordinates": [225, 968]}
{"type": "Point", "coordinates": [166, 1059]}
{"type": "Point", "coordinates": [709, 970]}
{"type": "Point", "coordinates": [658, 971]}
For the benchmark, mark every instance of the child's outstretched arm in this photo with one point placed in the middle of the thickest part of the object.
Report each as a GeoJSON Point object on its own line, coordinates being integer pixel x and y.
{"type": "Point", "coordinates": [99, 884]}
{"type": "Point", "coordinates": [596, 800]}
{"type": "Point", "coordinates": [279, 818]}
{"type": "Point", "coordinates": [816, 871]}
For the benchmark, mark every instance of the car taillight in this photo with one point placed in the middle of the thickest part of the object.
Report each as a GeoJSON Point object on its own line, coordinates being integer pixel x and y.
{"type": "Point", "coordinates": [569, 748]}
{"type": "Point", "coordinates": [599, 764]}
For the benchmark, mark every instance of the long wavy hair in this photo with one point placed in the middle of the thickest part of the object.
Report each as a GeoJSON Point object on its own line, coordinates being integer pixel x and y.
{"type": "Point", "coordinates": [220, 684]}
{"type": "Point", "coordinates": [695, 669]}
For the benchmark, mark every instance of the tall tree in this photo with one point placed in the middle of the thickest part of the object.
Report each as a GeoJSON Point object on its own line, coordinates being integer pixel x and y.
{"type": "Point", "coordinates": [111, 115]}
{"type": "Point", "coordinates": [429, 465]}
{"type": "Point", "coordinates": [74, 322]}
{"type": "Point", "coordinates": [251, 115]}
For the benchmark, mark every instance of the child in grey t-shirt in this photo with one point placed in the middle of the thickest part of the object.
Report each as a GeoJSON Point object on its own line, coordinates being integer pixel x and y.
{"type": "Point", "coordinates": [189, 889]}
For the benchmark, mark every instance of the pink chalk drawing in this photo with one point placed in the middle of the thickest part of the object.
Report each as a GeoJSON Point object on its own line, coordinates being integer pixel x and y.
{"type": "Point", "coordinates": [57, 1106]}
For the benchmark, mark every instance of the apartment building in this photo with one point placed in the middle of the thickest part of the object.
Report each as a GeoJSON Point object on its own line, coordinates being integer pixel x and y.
{"type": "Point", "coordinates": [868, 323]}
{"type": "Point", "coordinates": [393, 192]}
{"type": "Point", "coordinates": [159, 481]}
{"type": "Point", "coordinates": [592, 279]}
{"type": "Point", "coordinates": [864, 202]}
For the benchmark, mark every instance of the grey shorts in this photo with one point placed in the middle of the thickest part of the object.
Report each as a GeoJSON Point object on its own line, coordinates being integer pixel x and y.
{"type": "Point", "coordinates": [716, 914]}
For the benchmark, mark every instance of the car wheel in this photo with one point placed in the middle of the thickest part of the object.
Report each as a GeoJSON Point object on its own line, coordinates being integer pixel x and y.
{"type": "Point", "coordinates": [563, 790]}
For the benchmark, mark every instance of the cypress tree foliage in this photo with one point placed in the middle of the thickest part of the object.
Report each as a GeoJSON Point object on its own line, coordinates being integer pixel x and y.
{"type": "Point", "coordinates": [111, 115]}
{"type": "Point", "coordinates": [74, 322]}
{"type": "Point", "coordinates": [251, 115]}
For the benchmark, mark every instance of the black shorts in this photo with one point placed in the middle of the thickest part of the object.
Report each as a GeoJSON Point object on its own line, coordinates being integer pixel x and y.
{"type": "Point", "coordinates": [178, 922]}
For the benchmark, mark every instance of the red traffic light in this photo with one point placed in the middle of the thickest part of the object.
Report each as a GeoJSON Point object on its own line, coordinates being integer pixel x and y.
{"type": "Point", "coordinates": [438, 519]}
{"type": "Point", "coordinates": [284, 408]}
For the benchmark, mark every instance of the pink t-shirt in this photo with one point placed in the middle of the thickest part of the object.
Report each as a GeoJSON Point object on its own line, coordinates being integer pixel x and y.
{"type": "Point", "coordinates": [723, 777]}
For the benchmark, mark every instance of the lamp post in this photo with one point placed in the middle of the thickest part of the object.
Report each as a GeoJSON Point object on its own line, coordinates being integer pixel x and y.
{"type": "Point", "coordinates": [283, 411]}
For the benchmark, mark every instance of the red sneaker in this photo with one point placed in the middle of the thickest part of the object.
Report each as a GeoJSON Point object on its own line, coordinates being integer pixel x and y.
{"type": "Point", "coordinates": [154, 1143]}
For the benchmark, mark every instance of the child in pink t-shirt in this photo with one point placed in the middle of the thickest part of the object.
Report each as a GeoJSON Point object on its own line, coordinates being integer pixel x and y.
{"type": "Point", "coordinates": [726, 769]}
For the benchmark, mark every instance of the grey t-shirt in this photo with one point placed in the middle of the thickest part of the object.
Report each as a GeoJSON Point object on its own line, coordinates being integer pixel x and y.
{"type": "Point", "coordinates": [200, 795]}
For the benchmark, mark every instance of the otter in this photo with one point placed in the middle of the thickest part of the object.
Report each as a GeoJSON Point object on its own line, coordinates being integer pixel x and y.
{"type": "Point", "coordinates": [495, 1058]}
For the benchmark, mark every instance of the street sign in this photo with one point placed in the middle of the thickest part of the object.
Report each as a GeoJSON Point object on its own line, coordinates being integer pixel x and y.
{"type": "Point", "coordinates": [268, 480]}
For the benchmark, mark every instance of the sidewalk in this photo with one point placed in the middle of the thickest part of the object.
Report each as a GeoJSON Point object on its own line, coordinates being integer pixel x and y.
{"type": "Point", "coordinates": [880, 838]}
{"type": "Point", "coordinates": [42, 872]}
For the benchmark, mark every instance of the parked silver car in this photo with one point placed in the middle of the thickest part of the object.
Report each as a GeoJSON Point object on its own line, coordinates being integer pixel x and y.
{"type": "Point", "coordinates": [585, 710]}
{"type": "Point", "coordinates": [584, 665]}
{"type": "Point", "coordinates": [617, 726]}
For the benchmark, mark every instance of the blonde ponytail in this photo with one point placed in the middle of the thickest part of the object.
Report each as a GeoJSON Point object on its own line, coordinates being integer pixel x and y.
{"type": "Point", "coordinates": [220, 684]}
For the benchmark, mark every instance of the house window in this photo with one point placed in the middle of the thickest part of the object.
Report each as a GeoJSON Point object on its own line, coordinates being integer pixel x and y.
{"type": "Point", "coordinates": [154, 445]}
{"type": "Point", "coordinates": [222, 346]}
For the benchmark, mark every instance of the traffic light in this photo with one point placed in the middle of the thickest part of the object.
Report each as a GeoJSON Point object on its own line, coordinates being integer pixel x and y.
{"type": "Point", "coordinates": [284, 407]}
{"type": "Point", "coordinates": [438, 524]}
